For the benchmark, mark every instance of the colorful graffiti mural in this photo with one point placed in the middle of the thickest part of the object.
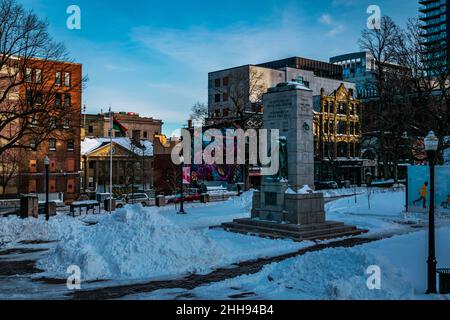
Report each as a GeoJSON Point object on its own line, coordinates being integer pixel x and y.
{"type": "Point", "coordinates": [231, 174]}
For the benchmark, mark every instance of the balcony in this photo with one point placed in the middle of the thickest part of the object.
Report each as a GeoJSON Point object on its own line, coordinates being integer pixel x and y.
{"type": "Point", "coordinates": [425, 2]}
{"type": "Point", "coordinates": [432, 6]}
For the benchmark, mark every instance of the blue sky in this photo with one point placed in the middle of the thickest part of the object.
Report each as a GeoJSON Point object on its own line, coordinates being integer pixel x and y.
{"type": "Point", "coordinates": [153, 57]}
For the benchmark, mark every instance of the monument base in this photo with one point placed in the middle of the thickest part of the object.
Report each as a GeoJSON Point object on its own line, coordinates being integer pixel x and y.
{"type": "Point", "coordinates": [279, 212]}
{"type": "Point", "coordinates": [274, 230]}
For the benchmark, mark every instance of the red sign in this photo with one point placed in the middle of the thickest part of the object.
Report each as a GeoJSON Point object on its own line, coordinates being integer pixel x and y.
{"type": "Point", "coordinates": [187, 175]}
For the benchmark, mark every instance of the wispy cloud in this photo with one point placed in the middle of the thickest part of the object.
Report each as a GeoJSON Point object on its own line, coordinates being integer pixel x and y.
{"type": "Point", "coordinates": [336, 27]}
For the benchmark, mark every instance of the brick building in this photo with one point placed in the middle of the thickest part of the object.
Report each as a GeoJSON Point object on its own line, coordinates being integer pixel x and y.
{"type": "Point", "coordinates": [58, 85]}
{"type": "Point", "coordinates": [139, 128]}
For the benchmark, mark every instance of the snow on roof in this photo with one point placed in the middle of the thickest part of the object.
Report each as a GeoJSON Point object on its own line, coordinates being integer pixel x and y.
{"type": "Point", "coordinates": [90, 145]}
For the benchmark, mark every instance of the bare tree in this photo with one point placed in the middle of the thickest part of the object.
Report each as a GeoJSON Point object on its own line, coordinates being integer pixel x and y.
{"type": "Point", "coordinates": [34, 101]}
{"type": "Point", "coordinates": [391, 109]}
{"type": "Point", "coordinates": [199, 112]}
{"type": "Point", "coordinates": [9, 167]}
{"type": "Point", "coordinates": [430, 86]}
{"type": "Point", "coordinates": [245, 89]}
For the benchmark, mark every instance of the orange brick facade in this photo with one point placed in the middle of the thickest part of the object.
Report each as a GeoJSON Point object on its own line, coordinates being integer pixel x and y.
{"type": "Point", "coordinates": [63, 148]}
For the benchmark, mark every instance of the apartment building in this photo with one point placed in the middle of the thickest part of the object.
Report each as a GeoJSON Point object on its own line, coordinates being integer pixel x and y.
{"type": "Point", "coordinates": [55, 86]}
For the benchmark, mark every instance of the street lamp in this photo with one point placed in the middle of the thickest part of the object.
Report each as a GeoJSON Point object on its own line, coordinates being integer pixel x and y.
{"type": "Point", "coordinates": [431, 146]}
{"type": "Point", "coordinates": [46, 163]}
{"type": "Point", "coordinates": [182, 200]}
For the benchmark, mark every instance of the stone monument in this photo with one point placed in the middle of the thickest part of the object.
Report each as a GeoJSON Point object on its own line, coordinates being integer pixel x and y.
{"type": "Point", "coordinates": [288, 108]}
{"type": "Point", "coordinates": [289, 207]}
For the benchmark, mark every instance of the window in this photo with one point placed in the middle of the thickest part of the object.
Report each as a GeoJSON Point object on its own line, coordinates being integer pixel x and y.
{"type": "Point", "coordinates": [52, 165]}
{"type": "Point", "coordinates": [38, 75]}
{"type": "Point", "coordinates": [70, 165]}
{"type": "Point", "coordinates": [67, 100]}
{"type": "Point", "coordinates": [70, 186]}
{"type": "Point", "coordinates": [342, 149]}
{"type": "Point", "coordinates": [32, 186]}
{"type": "Point", "coordinates": [91, 164]}
{"type": "Point", "coordinates": [33, 145]}
{"type": "Point", "coordinates": [33, 166]}
{"type": "Point", "coordinates": [66, 124]}
{"type": "Point", "coordinates": [52, 144]}
{"type": "Point", "coordinates": [225, 97]}
{"type": "Point", "coordinates": [226, 112]}
{"type": "Point", "coordinates": [38, 98]}
{"type": "Point", "coordinates": [217, 98]}
{"type": "Point", "coordinates": [58, 100]}
{"type": "Point", "coordinates": [145, 134]}
{"type": "Point", "coordinates": [29, 98]}
{"type": "Point", "coordinates": [53, 122]}
{"type": "Point", "coordinates": [52, 185]}
{"type": "Point", "coordinates": [67, 79]}
{"type": "Point", "coordinates": [58, 78]}
{"type": "Point", "coordinates": [225, 81]}
{"type": "Point", "coordinates": [70, 145]}
{"type": "Point", "coordinates": [29, 75]}
{"type": "Point", "coordinates": [90, 129]}
{"type": "Point", "coordinates": [217, 83]}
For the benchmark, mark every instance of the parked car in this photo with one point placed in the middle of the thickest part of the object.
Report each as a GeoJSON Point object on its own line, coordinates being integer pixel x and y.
{"type": "Point", "coordinates": [326, 185]}
{"type": "Point", "coordinates": [135, 198]}
{"type": "Point", "coordinates": [188, 198]}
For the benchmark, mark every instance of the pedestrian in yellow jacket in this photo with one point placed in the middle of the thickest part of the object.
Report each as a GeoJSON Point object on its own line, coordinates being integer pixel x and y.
{"type": "Point", "coordinates": [423, 195]}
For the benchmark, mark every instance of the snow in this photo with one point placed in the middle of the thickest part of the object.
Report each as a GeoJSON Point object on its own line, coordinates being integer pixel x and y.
{"type": "Point", "coordinates": [138, 243]}
{"type": "Point", "coordinates": [334, 274]}
{"type": "Point", "coordinates": [304, 190]}
{"type": "Point", "coordinates": [14, 229]}
{"type": "Point", "coordinates": [89, 145]}
{"type": "Point", "coordinates": [150, 243]}
{"type": "Point", "coordinates": [134, 243]}
{"type": "Point", "coordinates": [378, 212]}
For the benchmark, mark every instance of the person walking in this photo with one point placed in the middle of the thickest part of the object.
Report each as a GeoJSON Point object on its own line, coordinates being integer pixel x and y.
{"type": "Point", "coordinates": [423, 195]}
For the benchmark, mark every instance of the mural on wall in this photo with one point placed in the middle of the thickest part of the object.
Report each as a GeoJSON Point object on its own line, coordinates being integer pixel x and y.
{"type": "Point", "coordinates": [231, 174]}
{"type": "Point", "coordinates": [419, 189]}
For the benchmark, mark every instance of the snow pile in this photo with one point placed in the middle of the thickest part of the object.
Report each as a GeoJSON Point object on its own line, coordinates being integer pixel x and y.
{"type": "Point", "coordinates": [342, 273]}
{"type": "Point", "coordinates": [335, 274]}
{"type": "Point", "coordinates": [15, 229]}
{"type": "Point", "coordinates": [134, 243]}
{"type": "Point", "coordinates": [305, 190]}
{"type": "Point", "coordinates": [243, 203]}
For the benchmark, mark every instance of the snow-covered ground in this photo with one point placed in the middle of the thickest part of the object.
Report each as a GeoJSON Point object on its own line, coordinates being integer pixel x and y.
{"type": "Point", "coordinates": [145, 243]}
{"type": "Point", "coordinates": [341, 273]}
{"type": "Point", "coordinates": [138, 243]}
{"type": "Point", "coordinates": [378, 212]}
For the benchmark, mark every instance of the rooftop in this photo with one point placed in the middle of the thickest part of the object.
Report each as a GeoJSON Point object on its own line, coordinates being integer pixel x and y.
{"type": "Point", "coordinates": [90, 145]}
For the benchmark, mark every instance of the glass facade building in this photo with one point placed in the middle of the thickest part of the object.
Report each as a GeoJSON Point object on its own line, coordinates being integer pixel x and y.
{"type": "Point", "coordinates": [435, 29]}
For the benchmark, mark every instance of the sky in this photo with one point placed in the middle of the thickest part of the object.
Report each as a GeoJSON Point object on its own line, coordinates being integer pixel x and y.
{"type": "Point", "coordinates": [153, 57]}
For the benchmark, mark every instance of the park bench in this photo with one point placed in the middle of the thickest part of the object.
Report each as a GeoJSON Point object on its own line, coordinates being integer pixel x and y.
{"type": "Point", "coordinates": [88, 205]}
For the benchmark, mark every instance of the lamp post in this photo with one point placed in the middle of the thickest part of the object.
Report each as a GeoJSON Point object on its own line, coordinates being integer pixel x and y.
{"type": "Point", "coordinates": [182, 196]}
{"type": "Point", "coordinates": [47, 163]}
{"type": "Point", "coordinates": [431, 146]}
